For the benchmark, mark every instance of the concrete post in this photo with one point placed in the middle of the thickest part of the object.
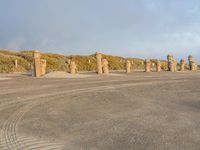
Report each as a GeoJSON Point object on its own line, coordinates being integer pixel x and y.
{"type": "Point", "coordinates": [196, 67]}
{"type": "Point", "coordinates": [89, 61]}
{"type": "Point", "coordinates": [175, 65]}
{"type": "Point", "coordinates": [105, 66]}
{"type": "Point", "coordinates": [128, 66]}
{"type": "Point", "coordinates": [171, 66]}
{"type": "Point", "coordinates": [169, 59]}
{"type": "Point", "coordinates": [191, 60]}
{"type": "Point", "coordinates": [43, 66]}
{"type": "Point", "coordinates": [182, 63]}
{"type": "Point", "coordinates": [99, 63]}
{"type": "Point", "coordinates": [32, 69]}
{"type": "Point", "coordinates": [73, 68]}
{"type": "Point", "coordinates": [16, 63]}
{"type": "Point", "coordinates": [158, 66]}
{"type": "Point", "coordinates": [193, 66]}
{"type": "Point", "coordinates": [37, 64]}
{"type": "Point", "coordinates": [147, 65]}
{"type": "Point", "coordinates": [68, 61]}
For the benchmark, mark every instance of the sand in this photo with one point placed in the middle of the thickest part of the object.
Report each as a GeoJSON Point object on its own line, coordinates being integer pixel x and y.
{"type": "Point", "coordinates": [62, 74]}
{"type": "Point", "coordinates": [132, 111]}
{"type": "Point", "coordinates": [4, 78]}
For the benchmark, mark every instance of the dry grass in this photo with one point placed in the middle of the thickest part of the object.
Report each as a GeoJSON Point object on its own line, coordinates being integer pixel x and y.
{"type": "Point", "coordinates": [57, 62]}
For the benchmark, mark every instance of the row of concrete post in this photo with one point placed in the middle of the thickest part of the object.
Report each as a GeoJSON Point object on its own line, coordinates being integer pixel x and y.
{"type": "Point", "coordinates": [102, 65]}
{"type": "Point", "coordinates": [172, 64]}
{"type": "Point", "coordinates": [148, 65]}
{"type": "Point", "coordinates": [39, 65]}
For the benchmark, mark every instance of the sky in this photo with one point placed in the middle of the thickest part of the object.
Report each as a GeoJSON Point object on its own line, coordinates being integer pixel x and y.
{"type": "Point", "coordinates": [129, 28]}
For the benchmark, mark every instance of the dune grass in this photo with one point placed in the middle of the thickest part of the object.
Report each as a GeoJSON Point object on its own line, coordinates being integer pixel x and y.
{"type": "Point", "coordinates": [58, 62]}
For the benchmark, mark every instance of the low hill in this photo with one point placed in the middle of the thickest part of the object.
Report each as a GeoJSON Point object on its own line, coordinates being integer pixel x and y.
{"type": "Point", "coordinates": [57, 62]}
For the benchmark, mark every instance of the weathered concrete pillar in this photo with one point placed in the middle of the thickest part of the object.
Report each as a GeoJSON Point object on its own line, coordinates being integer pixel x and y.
{"type": "Point", "coordinates": [16, 63]}
{"type": "Point", "coordinates": [105, 66]}
{"type": "Point", "coordinates": [99, 63]}
{"type": "Point", "coordinates": [191, 60]}
{"type": "Point", "coordinates": [89, 61]}
{"type": "Point", "coordinates": [43, 66]}
{"type": "Point", "coordinates": [73, 67]}
{"type": "Point", "coordinates": [36, 63]}
{"type": "Point", "coordinates": [193, 66]}
{"type": "Point", "coordinates": [68, 61]}
{"type": "Point", "coordinates": [171, 66]}
{"type": "Point", "coordinates": [147, 65]}
{"type": "Point", "coordinates": [169, 60]}
{"type": "Point", "coordinates": [32, 69]}
{"type": "Point", "coordinates": [158, 66]}
{"type": "Point", "coordinates": [182, 63]}
{"type": "Point", "coordinates": [174, 66]}
{"type": "Point", "coordinates": [128, 66]}
{"type": "Point", "coordinates": [196, 67]}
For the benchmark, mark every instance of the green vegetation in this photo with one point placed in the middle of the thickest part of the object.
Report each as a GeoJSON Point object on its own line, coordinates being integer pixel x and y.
{"type": "Point", "coordinates": [57, 62]}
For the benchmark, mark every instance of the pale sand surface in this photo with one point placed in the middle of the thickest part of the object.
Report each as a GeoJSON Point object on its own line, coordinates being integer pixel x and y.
{"type": "Point", "coordinates": [153, 111]}
{"type": "Point", "coordinates": [4, 78]}
{"type": "Point", "coordinates": [62, 74]}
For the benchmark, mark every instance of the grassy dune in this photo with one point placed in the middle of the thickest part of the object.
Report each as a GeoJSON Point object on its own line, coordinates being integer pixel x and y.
{"type": "Point", "coordinates": [57, 62]}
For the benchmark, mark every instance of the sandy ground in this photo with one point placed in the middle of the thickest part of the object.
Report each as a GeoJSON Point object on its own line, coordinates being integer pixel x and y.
{"type": "Point", "coordinates": [117, 112]}
{"type": "Point", "coordinates": [3, 78]}
{"type": "Point", "coordinates": [61, 74]}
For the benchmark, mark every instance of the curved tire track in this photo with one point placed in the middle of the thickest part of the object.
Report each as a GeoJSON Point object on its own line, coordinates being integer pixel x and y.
{"type": "Point", "coordinates": [9, 138]}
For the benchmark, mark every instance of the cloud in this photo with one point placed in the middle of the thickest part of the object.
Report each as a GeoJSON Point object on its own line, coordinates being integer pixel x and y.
{"type": "Point", "coordinates": [135, 28]}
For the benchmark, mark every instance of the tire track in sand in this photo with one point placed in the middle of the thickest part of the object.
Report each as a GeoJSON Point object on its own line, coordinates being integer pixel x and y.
{"type": "Point", "coordinates": [9, 138]}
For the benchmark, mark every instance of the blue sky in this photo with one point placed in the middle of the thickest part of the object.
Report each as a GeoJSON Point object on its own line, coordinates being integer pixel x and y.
{"type": "Point", "coordinates": [133, 28]}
